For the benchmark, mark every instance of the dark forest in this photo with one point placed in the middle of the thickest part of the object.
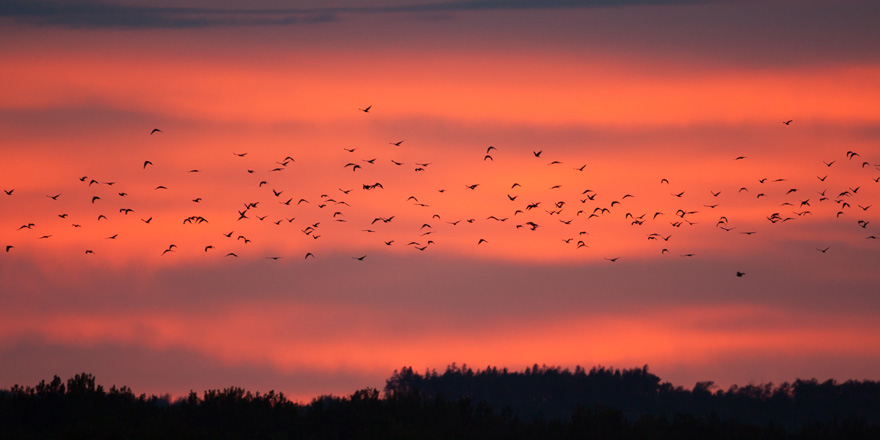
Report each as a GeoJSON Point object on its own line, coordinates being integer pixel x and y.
{"type": "Point", "coordinates": [460, 403]}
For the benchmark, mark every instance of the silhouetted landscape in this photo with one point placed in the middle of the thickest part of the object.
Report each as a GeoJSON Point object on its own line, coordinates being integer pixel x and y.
{"type": "Point", "coordinates": [459, 403]}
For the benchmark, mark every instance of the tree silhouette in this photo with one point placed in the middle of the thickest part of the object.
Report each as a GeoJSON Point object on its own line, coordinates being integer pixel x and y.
{"type": "Point", "coordinates": [539, 402]}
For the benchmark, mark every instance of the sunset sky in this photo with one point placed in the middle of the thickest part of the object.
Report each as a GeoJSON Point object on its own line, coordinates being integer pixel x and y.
{"type": "Point", "coordinates": [681, 105]}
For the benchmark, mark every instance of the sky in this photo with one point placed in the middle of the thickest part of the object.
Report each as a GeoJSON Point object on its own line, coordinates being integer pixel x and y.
{"type": "Point", "coordinates": [340, 189]}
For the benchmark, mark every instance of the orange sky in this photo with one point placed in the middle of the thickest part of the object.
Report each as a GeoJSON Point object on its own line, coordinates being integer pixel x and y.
{"type": "Point", "coordinates": [612, 112]}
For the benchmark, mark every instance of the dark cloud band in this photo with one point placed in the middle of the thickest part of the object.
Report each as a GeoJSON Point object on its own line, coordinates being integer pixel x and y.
{"type": "Point", "coordinates": [108, 15]}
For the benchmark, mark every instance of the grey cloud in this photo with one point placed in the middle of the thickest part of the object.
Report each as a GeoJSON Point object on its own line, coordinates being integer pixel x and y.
{"type": "Point", "coordinates": [107, 15]}
{"type": "Point", "coordinates": [103, 15]}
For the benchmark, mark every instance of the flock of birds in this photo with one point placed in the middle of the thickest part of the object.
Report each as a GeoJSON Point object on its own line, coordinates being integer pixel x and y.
{"type": "Point", "coordinates": [846, 203]}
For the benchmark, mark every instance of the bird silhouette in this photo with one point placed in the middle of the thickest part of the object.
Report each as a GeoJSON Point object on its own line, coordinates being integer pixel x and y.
{"type": "Point", "coordinates": [155, 130]}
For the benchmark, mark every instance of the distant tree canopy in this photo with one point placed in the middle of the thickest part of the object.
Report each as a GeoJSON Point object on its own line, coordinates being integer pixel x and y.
{"type": "Point", "coordinates": [539, 402]}
{"type": "Point", "coordinates": [554, 392]}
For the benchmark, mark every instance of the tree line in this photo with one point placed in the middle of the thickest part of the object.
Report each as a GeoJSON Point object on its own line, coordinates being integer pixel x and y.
{"type": "Point", "coordinates": [539, 402]}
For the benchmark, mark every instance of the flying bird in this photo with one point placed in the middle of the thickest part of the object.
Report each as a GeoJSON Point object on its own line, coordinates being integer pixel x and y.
{"type": "Point", "coordinates": [366, 110]}
{"type": "Point", "coordinates": [155, 130]}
